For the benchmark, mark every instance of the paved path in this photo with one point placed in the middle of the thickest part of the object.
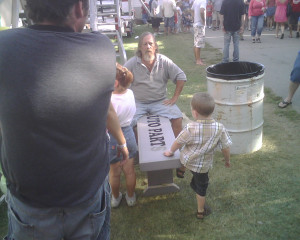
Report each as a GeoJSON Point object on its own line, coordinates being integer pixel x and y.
{"type": "Point", "coordinates": [276, 55]}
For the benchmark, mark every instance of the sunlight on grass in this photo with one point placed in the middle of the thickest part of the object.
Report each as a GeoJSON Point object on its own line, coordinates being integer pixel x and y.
{"type": "Point", "coordinates": [278, 201]}
{"type": "Point", "coordinates": [130, 46]}
{"type": "Point", "coordinates": [268, 145]}
{"type": "Point", "coordinates": [165, 236]}
{"type": "Point", "coordinates": [160, 45]}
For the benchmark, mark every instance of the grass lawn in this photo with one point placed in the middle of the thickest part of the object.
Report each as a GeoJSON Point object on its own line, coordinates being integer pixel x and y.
{"type": "Point", "coordinates": [257, 198]}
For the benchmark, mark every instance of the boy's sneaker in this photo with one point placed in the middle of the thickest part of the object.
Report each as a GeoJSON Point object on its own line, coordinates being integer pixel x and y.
{"type": "Point", "coordinates": [115, 202]}
{"type": "Point", "coordinates": [131, 201]}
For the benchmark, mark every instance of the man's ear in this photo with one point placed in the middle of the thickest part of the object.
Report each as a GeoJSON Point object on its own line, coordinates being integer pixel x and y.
{"type": "Point", "coordinates": [79, 9]}
{"type": "Point", "coordinates": [195, 113]}
{"type": "Point", "coordinates": [116, 83]}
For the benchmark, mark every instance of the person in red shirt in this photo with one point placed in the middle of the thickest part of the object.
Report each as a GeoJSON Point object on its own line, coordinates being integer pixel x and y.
{"type": "Point", "coordinates": [294, 17]}
{"type": "Point", "coordinates": [209, 11]}
{"type": "Point", "coordinates": [256, 12]}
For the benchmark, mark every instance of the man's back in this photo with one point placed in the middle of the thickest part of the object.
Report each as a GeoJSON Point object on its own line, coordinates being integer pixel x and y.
{"type": "Point", "coordinates": [169, 7]}
{"type": "Point", "coordinates": [55, 88]}
{"type": "Point", "coordinates": [232, 10]}
{"type": "Point", "coordinates": [197, 5]}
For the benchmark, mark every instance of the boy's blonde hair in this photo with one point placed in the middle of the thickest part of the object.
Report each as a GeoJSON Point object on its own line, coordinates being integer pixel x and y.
{"type": "Point", "coordinates": [203, 103]}
{"type": "Point", "coordinates": [123, 76]}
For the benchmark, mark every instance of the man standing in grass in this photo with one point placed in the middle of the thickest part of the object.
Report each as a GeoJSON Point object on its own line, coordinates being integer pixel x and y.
{"type": "Point", "coordinates": [232, 16]}
{"type": "Point", "coordinates": [168, 10]}
{"type": "Point", "coordinates": [198, 8]}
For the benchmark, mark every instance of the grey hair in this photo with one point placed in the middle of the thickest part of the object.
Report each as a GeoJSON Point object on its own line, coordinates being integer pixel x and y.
{"type": "Point", "coordinates": [141, 38]}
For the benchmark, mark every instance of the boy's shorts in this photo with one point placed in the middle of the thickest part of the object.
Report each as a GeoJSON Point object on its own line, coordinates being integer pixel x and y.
{"type": "Point", "coordinates": [156, 22]}
{"type": "Point", "coordinates": [130, 142]}
{"type": "Point", "coordinates": [199, 183]}
{"type": "Point", "coordinates": [216, 15]}
{"type": "Point", "coordinates": [169, 22]}
{"type": "Point", "coordinates": [155, 108]}
{"type": "Point", "coordinates": [271, 11]}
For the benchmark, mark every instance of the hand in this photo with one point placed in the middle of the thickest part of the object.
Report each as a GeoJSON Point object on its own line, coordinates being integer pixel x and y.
{"type": "Point", "coordinates": [168, 153]}
{"type": "Point", "coordinates": [171, 101]}
{"type": "Point", "coordinates": [125, 154]}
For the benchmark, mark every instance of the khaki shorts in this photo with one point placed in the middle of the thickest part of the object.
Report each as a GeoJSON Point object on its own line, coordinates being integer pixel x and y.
{"type": "Point", "coordinates": [199, 36]}
{"type": "Point", "coordinates": [216, 15]}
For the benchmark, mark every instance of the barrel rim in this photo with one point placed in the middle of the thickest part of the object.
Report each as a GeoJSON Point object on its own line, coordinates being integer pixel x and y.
{"type": "Point", "coordinates": [245, 80]}
{"type": "Point", "coordinates": [235, 76]}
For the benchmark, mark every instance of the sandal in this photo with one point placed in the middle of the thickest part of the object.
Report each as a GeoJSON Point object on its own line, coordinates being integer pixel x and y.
{"type": "Point", "coordinates": [253, 40]}
{"type": "Point", "coordinates": [284, 104]}
{"type": "Point", "coordinates": [180, 173]}
{"type": "Point", "coordinates": [200, 215]}
{"type": "Point", "coordinates": [258, 40]}
{"type": "Point", "coordinates": [206, 212]}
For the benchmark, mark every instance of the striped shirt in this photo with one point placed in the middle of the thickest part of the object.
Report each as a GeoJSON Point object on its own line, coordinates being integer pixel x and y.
{"type": "Point", "coordinates": [200, 140]}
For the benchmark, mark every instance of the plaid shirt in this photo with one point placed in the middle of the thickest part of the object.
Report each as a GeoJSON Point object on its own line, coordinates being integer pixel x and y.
{"type": "Point", "coordinates": [200, 140]}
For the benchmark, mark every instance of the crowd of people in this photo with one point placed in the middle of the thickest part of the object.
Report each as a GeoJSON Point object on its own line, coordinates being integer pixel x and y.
{"type": "Point", "coordinates": [233, 17]}
{"type": "Point", "coordinates": [68, 118]}
{"type": "Point", "coordinates": [259, 15]}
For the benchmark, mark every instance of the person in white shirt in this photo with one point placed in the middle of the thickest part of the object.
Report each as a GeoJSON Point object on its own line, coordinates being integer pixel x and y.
{"type": "Point", "coordinates": [199, 8]}
{"type": "Point", "coordinates": [168, 11]}
{"type": "Point", "coordinates": [123, 102]}
{"type": "Point", "coordinates": [155, 16]}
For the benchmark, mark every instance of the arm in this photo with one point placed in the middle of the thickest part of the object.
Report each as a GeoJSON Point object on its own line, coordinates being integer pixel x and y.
{"type": "Point", "coordinates": [114, 129]}
{"type": "Point", "coordinates": [250, 9]}
{"type": "Point", "coordinates": [178, 89]}
{"type": "Point", "coordinates": [226, 154]}
{"type": "Point", "coordinates": [202, 15]}
{"type": "Point", "coordinates": [242, 23]}
{"type": "Point", "coordinates": [162, 10]}
{"type": "Point", "coordinates": [222, 20]}
{"type": "Point", "coordinates": [175, 146]}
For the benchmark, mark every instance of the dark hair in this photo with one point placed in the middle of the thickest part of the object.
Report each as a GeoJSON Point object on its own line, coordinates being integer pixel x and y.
{"type": "Point", "coordinates": [51, 10]}
{"type": "Point", "coordinates": [141, 38]}
{"type": "Point", "coordinates": [123, 76]}
{"type": "Point", "coordinates": [203, 103]}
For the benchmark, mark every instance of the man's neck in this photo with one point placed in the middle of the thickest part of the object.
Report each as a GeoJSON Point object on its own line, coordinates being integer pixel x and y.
{"type": "Point", "coordinates": [149, 64]}
{"type": "Point", "coordinates": [49, 23]}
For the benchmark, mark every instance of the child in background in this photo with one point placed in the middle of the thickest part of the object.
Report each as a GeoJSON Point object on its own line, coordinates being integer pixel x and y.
{"type": "Point", "coordinates": [209, 11]}
{"type": "Point", "coordinates": [123, 102]}
{"type": "Point", "coordinates": [187, 20]}
{"type": "Point", "coordinates": [179, 16]}
{"type": "Point", "coordinates": [198, 142]}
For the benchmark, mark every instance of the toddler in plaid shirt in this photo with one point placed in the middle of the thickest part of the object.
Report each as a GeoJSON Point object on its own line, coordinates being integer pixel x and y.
{"type": "Point", "coordinates": [198, 142]}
